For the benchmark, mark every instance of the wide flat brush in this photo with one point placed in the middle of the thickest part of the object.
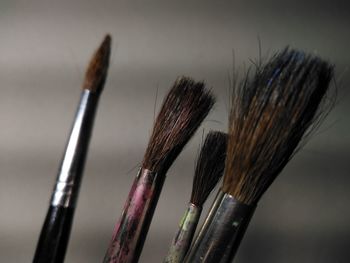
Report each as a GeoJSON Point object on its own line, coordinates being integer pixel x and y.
{"type": "Point", "coordinates": [183, 110]}
{"type": "Point", "coordinates": [209, 169]}
{"type": "Point", "coordinates": [271, 114]}
{"type": "Point", "coordinates": [55, 232]}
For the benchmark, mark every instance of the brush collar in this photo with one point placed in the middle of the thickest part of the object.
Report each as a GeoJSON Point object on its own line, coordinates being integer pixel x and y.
{"type": "Point", "coordinates": [69, 177]}
{"type": "Point", "coordinates": [224, 225]}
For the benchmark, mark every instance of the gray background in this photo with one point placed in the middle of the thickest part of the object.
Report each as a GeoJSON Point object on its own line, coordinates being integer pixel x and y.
{"type": "Point", "coordinates": [44, 49]}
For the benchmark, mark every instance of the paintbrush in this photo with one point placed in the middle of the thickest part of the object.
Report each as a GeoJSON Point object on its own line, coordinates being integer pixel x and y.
{"type": "Point", "coordinates": [55, 232]}
{"type": "Point", "coordinates": [271, 114]}
{"type": "Point", "coordinates": [183, 110]}
{"type": "Point", "coordinates": [209, 169]}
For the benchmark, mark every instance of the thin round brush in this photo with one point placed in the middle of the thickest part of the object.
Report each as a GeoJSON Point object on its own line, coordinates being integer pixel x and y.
{"type": "Point", "coordinates": [271, 114]}
{"type": "Point", "coordinates": [183, 110]}
{"type": "Point", "coordinates": [209, 169]}
{"type": "Point", "coordinates": [55, 232]}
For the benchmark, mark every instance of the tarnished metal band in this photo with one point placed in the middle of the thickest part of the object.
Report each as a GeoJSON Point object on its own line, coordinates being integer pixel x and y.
{"type": "Point", "coordinates": [227, 217]}
{"type": "Point", "coordinates": [69, 177]}
{"type": "Point", "coordinates": [146, 175]}
{"type": "Point", "coordinates": [193, 209]}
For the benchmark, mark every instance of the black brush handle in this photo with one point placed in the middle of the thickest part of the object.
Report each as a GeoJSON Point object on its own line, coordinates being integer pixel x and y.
{"type": "Point", "coordinates": [54, 235]}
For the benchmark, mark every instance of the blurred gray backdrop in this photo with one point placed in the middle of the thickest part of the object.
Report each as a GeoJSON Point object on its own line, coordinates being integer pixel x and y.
{"type": "Point", "coordinates": [44, 49]}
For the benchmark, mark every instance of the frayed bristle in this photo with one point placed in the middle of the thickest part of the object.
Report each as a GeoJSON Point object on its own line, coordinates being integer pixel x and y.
{"type": "Point", "coordinates": [271, 113]}
{"type": "Point", "coordinates": [96, 73]}
{"type": "Point", "coordinates": [183, 110]}
{"type": "Point", "coordinates": [210, 167]}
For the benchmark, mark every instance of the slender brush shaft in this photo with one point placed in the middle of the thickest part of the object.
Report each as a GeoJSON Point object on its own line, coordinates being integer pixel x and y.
{"type": "Point", "coordinates": [183, 237]}
{"type": "Point", "coordinates": [230, 218]}
{"type": "Point", "coordinates": [54, 236]}
{"type": "Point", "coordinates": [130, 232]}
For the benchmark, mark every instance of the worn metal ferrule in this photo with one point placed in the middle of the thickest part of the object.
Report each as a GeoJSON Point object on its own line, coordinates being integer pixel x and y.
{"type": "Point", "coordinates": [227, 219]}
{"type": "Point", "coordinates": [72, 165]}
{"type": "Point", "coordinates": [208, 219]}
{"type": "Point", "coordinates": [131, 230]}
{"type": "Point", "coordinates": [184, 235]}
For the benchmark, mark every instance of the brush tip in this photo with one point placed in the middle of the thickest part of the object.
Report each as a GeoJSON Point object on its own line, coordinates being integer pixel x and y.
{"type": "Point", "coordinates": [96, 73]}
{"type": "Point", "coordinates": [184, 108]}
{"type": "Point", "coordinates": [210, 166]}
{"type": "Point", "coordinates": [272, 112]}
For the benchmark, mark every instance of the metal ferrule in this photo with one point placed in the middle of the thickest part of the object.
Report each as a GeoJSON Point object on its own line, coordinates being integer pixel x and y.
{"type": "Point", "coordinates": [184, 235]}
{"type": "Point", "coordinates": [209, 217]}
{"type": "Point", "coordinates": [131, 230]}
{"type": "Point", "coordinates": [226, 220]}
{"type": "Point", "coordinates": [69, 176]}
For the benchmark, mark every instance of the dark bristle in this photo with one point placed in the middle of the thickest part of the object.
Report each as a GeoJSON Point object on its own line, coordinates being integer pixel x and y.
{"type": "Point", "coordinates": [183, 110]}
{"type": "Point", "coordinates": [96, 73]}
{"type": "Point", "coordinates": [270, 115]}
{"type": "Point", "coordinates": [210, 167]}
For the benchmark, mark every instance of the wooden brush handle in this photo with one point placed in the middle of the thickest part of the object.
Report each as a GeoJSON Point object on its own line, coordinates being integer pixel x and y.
{"type": "Point", "coordinates": [54, 235]}
{"type": "Point", "coordinates": [131, 230]}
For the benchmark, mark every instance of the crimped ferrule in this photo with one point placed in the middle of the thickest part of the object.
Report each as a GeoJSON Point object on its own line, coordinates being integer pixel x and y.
{"type": "Point", "coordinates": [184, 235]}
{"type": "Point", "coordinates": [221, 231]}
{"type": "Point", "coordinates": [72, 165]}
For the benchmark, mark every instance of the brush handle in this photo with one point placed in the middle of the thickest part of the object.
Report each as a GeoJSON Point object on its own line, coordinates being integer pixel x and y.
{"type": "Point", "coordinates": [54, 236]}
{"type": "Point", "coordinates": [223, 233]}
{"type": "Point", "coordinates": [57, 225]}
{"type": "Point", "coordinates": [131, 230]}
{"type": "Point", "coordinates": [184, 235]}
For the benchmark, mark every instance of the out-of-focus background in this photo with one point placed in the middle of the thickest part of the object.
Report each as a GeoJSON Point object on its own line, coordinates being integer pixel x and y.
{"type": "Point", "coordinates": [44, 49]}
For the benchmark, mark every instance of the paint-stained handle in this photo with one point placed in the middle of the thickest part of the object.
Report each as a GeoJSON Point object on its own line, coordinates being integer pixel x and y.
{"type": "Point", "coordinates": [54, 236]}
{"type": "Point", "coordinates": [184, 235]}
{"type": "Point", "coordinates": [131, 230]}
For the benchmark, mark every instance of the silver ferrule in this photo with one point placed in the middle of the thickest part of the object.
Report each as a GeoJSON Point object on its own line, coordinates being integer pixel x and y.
{"type": "Point", "coordinates": [227, 217]}
{"type": "Point", "coordinates": [72, 165]}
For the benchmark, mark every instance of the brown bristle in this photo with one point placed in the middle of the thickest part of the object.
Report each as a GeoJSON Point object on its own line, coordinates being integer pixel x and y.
{"type": "Point", "coordinates": [183, 110]}
{"type": "Point", "coordinates": [270, 115]}
{"type": "Point", "coordinates": [210, 167]}
{"type": "Point", "coordinates": [96, 73]}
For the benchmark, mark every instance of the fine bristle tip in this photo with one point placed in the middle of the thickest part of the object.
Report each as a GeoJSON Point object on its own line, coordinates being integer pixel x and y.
{"type": "Point", "coordinates": [184, 108]}
{"type": "Point", "coordinates": [210, 166]}
{"type": "Point", "coordinates": [272, 112]}
{"type": "Point", "coordinates": [96, 73]}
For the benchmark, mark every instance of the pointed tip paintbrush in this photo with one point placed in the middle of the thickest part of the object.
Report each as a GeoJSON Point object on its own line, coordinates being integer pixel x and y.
{"type": "Point", "coordinates": [55, 232]}
{"type": "Point", "coordinates": [183, 110]}
{"type": "Point", "coordinates": [271, 113]}
{"type": "Point", "coordinates": [209, 170]}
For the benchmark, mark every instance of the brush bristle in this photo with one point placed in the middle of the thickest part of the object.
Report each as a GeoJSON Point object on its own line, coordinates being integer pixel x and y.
{"type": "Point", "coordinates": [96, 73]}
{"type": "Point", "coordinates": [210, 167]}
{"type": "Point", "coordinates": [271, 113]}
{"type": "Point", "coordinates": [183, 110]}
